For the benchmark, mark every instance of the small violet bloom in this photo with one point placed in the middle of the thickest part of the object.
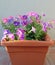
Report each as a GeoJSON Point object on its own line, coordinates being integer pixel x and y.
{"type": "Point", "coordinates": [6, 32]}
{"type": "Point", "coordinates": [16, 19]}
{"type": "Point", "coordinates": [44, 29]}
{"type": "Point", "coordinates": [24, 22]}
{"type": "Point", "coordinates": [11, 36]}
{"type": "Point", "coordinates": [22, 37]}
{"type": "Point", "coordinates": [16, 23]}
{"type": "Point", "coordinates": [33, 14]}
{"type": "Point", "coordinates": [44, 15]}
{"type": "Point", "coordinates": [44, 26]}
{"type": "Point", "coordinates": [24, 17]}
{"type": "Point", "coordinates": [10, 19]}
{"type": "Point", "coordinates": [20, 33]}
{"type": "Point", "coordinates": [5, 20]}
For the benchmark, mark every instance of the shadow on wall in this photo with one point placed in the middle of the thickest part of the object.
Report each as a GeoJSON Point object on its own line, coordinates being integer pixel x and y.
{"type": "Point", "coordinates": [1, 32]}
{"type": "Point", "coordinates": [4, 57]}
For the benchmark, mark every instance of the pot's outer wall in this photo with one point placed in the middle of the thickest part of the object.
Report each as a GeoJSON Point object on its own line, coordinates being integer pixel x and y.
{"type": "Point", "coordinates": [27, 55]}
{"type": "Point", "coordinates": [27, 52]}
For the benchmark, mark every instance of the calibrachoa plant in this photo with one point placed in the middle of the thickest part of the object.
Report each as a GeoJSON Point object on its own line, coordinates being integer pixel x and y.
{"type": "Point", "coordinates": [25, 27]}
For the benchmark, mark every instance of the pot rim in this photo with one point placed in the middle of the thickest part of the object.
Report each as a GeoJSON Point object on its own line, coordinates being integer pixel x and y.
{"type": "Point", "coordinates": [28, 43]}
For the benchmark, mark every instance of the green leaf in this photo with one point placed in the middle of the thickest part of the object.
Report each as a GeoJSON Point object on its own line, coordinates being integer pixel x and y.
{"type": "Point", "coordinates": [12, 28]}
{"type": "Point", "coordinates": [28, 27]}
{"type": "Point", "coordinates": [37, 26]}
{"type": "Point", "coordinates": [33, 18]}
{"type": "Point", "coordinates": [30, 36]}
{"type": "Point", "coordinates": [41, 35]}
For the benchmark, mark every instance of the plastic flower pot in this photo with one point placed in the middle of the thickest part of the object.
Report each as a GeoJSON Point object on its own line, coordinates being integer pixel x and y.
{"type": "Point", "coordinates": [27, 52]}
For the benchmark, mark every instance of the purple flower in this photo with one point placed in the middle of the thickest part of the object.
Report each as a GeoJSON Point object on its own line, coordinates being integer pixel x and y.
{"type": "Point", "coordinates": [20, 33]}
{"type": "Point", "coordinates": [44, 15]}
{"type": "Point", "coordinates": [44, 29]}
{"type": "Point", "coordinates": [33, 14]}
{"type": "Point", "coordinates": [47, 25]}
{"type": "Point", "coordinates": [10, 19]}
{"type": "Point", "coordinates": [16, 23]}
{"type": "Point", "coordinates": [22, 37]}
{"type": "Point", "coordinates": [11, 36]}
{"type": "Point", "coordinates": [16, 19]}
{"type": "Point", "coordinates": [50, 25]}
{"type": "Point", "coordinates": [24, 17]}
{"type": "Point", "coordinates": [6, 32]}
{"type": "Point", "coordinates": [24, 22]}
{"type": "Point", "coordinates": [44, 26]}
{"type": "Point", "coordinates": [5, 20]}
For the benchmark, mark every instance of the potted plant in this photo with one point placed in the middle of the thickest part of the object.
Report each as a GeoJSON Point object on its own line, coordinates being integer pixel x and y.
{"type": "Point", "coordinates": [26, 39]}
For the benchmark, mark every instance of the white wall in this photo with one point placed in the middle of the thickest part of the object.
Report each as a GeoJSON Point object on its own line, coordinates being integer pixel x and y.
{"type": "Point", "coordinates": [15, 7]}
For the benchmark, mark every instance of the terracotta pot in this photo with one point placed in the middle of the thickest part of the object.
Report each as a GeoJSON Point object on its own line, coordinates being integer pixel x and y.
{"type": "Point", "coordinates": [27, 52]}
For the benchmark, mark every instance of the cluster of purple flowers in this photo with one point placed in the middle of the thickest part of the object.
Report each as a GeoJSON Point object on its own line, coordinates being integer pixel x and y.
{"type": "Point", "coordinates": [20, 22]}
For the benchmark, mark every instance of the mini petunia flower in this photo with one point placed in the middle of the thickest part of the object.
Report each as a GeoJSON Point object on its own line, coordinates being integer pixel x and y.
{"type": "Point", "coordinates": [24, 22]}
{"type": "Point", "coordinates": [22, 37]}
{"type": "Point", "coordinates": [33, 14]}
{"type": "Point", "coordinates": [20, 33]}
{"type": "Point", "coordinates": [44, 26]}
{"type": "Point", "coordinates": [16, 23]}
{"type": "Point", "coordinates": [44, 15]}
{"type": "Point", "coordinates": [24, 17]}
{"type": "Point", "coordinates": [5, 20]}
{"type": "Point", "coordinates": [20, 16]}
{"type": "Point", "coordinates": [44, 29]}
{"type": "Point", "coordinates": [50, 25]}
{"type": "Point", "coordinates": [11, 36]}
{"type": "Point", "coordinates": [6, 32]}
{"type": "Point", "coordinates": [10, 19]}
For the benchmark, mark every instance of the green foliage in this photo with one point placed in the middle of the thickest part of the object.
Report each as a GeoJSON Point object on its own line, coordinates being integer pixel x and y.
{"type": "Point", "coordinates": [30, 36]}
{"type": "Point", "coordinates": [28, 27]}
{"type": "Point", "coordinates": [16, 38]}
{"type": "Point", "coordinates": [35, 30]}
{"type": "Point", "coordinates": [38, 35]}
{"type": "Point", "coordinates": [41, 35]}
{"type": "Point", "coordinates": [37, 26]}
{"type": "Point", "coordinates": [12, 28]}
{"type": "Point", "coordinates": [5, 26]}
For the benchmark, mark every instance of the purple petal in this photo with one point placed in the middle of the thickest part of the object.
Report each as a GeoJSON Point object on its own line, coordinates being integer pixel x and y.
{"type": "Point", "coordinates": [24, 17]}
{"type": "Point", "coordinates": [44, 15]}
{"type": "Point", "coordinates": [5, 20]}
{"type": "Point", "coordinates": [10, 19]}
{"type": "Point", "coordinates": [11, 36]}
{"type": "Point", "coordinates": [16, 23]}
{"type": "Point", "coordinates": [6, 32]}
{"type": "Point", "coordinates": [22, 37]}
{"type": "Point", "coordinates": [24, 22]}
